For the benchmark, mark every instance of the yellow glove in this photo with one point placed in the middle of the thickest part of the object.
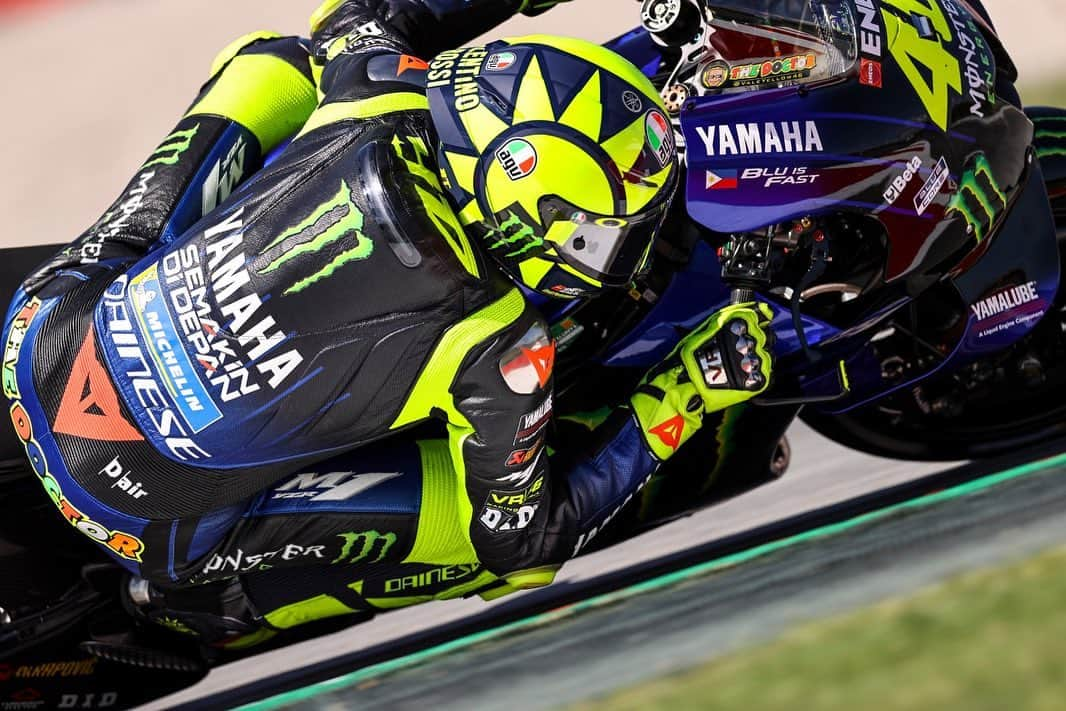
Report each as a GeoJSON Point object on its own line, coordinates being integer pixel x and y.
{"type": "Point", "coordinates": [725, 361]}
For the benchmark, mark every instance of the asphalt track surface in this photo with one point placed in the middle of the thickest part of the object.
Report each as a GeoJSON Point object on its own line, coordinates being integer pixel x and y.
{"type": "Point", "coordinates": [678, 620]}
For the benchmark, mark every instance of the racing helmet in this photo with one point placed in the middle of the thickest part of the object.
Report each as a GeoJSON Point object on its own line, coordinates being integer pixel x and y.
{"type": "Point", "coordinates": [559, 157]}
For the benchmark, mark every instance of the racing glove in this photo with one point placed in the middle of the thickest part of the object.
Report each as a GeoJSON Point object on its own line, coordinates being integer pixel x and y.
{"type": "Point", "coordinates": [725, 361]}
{"type": "Point", "coordinates": [423, 27]}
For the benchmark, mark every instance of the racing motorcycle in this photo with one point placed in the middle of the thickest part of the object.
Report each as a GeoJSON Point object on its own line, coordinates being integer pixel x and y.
{"type": "Point", "coordinates": [863, 166]}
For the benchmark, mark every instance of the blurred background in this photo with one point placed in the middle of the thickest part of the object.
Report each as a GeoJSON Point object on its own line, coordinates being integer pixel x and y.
{"type": "Point", "coordinates": [90, 86]}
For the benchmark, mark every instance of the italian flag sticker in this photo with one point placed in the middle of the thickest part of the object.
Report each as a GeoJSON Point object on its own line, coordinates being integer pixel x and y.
{"type": "Point", "coordinates": [659, 136]}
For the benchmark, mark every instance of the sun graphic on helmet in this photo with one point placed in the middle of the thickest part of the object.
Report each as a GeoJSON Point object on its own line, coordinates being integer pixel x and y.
{"type": "Point", "coordinates": [559, 156]}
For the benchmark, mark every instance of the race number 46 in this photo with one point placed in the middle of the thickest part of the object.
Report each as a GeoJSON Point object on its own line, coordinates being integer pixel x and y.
{"type": "Point", "coordinates": [911, 51]}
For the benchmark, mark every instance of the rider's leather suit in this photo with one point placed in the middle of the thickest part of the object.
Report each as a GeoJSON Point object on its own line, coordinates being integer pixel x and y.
{"type": "Point", "coordinates": [178, 382]}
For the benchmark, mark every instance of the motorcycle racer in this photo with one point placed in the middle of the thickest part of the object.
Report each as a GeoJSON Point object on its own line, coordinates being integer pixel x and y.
{"type": "Point", "coordinates": [165, 370]}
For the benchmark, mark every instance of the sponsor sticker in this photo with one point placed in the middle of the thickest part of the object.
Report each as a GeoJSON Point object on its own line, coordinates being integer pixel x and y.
{"type": "Point", "coordinates": [1007, 309]}
{"type": "Point", "coordinates": [900, 182]}
{"type": "Point", "coordinates": [530, 369]}
{"type": "Point", "coordinates": [870, 73]}
{"type": "Point", "coordinates": [565, 332]}
{"type": "Point", "coordinates": [511, 510]}
{"type": "Point", "coordinates": [531, 423]}
{"type": "Point", "coordinates": [773, 71]}
{"type": "Point", "coordinates": [408, 62]}
{"type": "Point", "coordinates": [761, 138]}
{"type": "Point", "coordinates": [568, 290]}
{"type": "Point", "coordinates": [48, 670]}
{"type": "Point", "coordinates": [722, 180]}
{"type": "Point", "coordinates": [432, 577]}
{"type": "Point", "coordinates": [223, 178]}
{"type": "Point", "coordinates": [500, 61]}
{"type": "Point", "coordinates": [120, 543]}
{"type": "Point", "coordinates": [364, 547]}
{"type": "Point", "coordinates": [518, 158]}
{"type": "Point", "coordinates": [670, 431]}
{"type": "Point", "coordinates": [660, 136]}
{"type": "Point", "coordinates": [331, 486]}
{"type": "Point", "coordinates": [89, 407]}
{"type": "Point", "coordinates": [132, 362]}
{"type": "Point", "coordinates": [1006, 300]}
{"type": "Point", "coordinates": [870, 44]}
{"type": "Point", "coordinates": [122, 479]}
{"type": "Point", "coordinates": [173, 365]}
{"type": "Point", "coordinates": [336, 221]}
{"type": "Point", "coordinates": [239, 561]}
{"type": "Point", "coordinates": [526, 366]}
{"type": "Point", "coordinates": [632, 101]}
{"type": "Point", "coordinates": [715, 75]}
{"type": "Point", "coordinates": [520, 457]}
{"type": "Point", "coordinates": [928, 192]}
{"type": "Point", "coordinates": [770, 177]}
{"type": "Point", "coordinates": [91, 700]}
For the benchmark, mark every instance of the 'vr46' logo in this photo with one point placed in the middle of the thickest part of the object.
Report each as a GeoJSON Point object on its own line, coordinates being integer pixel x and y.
{"type": "Point", "coordinates": [979, 200]}
{"type": "Point", "coordinates": [360, 547]}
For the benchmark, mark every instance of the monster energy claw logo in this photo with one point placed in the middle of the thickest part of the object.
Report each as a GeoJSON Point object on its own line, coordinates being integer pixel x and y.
{"type": "Point", "coordinates": [172, 148]}
{"type": "Point", "coordinates": [520, 234]}
{"type": "Point", "coordinates": [979, 199]}
{"type": "Point", "coordinates": [336, 220]}
{"type": "Point", "coordinates": [368, 539]}
{"type": "Point", "coordinates": [1050, 136]}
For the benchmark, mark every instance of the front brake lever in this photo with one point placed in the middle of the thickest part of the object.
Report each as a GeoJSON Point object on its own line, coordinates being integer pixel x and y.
{"type": "Point", "coordinates": [759, 266]}
{"type": "Point", "coordinates": [819, 262]}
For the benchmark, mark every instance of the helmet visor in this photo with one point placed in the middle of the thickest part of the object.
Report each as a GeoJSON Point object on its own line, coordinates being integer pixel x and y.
{"type": "Point", "coordinates": [606, 248]}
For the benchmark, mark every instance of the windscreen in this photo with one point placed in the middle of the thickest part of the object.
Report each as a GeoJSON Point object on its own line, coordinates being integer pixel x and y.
{"type": "Point", "coordinates": [757, 44]}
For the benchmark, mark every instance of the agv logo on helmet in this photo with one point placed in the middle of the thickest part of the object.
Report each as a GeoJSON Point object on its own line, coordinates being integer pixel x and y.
{"type": "Point", "coordinates": [518, 158]}
{"type": "Point", "coordinates": [660, 136]}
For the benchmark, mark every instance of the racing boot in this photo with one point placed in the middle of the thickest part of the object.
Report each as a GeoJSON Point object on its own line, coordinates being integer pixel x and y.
{"type": "Point", "coordinates": [219, 614]}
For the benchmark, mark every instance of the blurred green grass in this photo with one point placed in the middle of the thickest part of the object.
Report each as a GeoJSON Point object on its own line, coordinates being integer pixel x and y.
{"type": "Point", "coordinates": [991, 640]}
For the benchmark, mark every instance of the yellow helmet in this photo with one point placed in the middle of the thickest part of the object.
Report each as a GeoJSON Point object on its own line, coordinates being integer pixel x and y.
{"type": "Point", "coordinates": [559, 156]}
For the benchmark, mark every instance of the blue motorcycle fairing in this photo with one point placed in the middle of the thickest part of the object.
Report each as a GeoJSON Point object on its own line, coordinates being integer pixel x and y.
{"type": "Point", "coordinates": [829, 138]}
{"type": "Point", "coordinates": [1005, 293]}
